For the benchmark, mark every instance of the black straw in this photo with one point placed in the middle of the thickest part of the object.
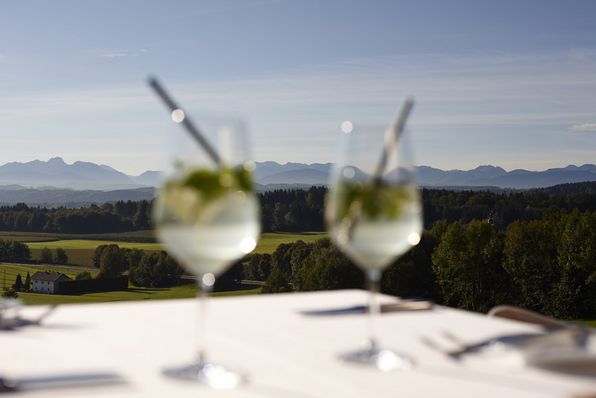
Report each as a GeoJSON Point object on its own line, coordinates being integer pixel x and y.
{"type": "Point", "coordinates": [388, 147]}
{"type": "Point", "coordinates": [391, 141]}
{"type": "Point", "coordinates": [186, 122]}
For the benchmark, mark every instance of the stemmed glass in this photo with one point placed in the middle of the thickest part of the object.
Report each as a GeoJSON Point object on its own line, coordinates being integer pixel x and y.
{"type": "Point", "coordinates": [373, 215]}
{"type": "Point", "coordinates": [207, 215]}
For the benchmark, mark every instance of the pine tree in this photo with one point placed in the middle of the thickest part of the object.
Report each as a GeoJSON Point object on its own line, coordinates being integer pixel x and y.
{"type": "Point", "coordinates": [18, 283]}
{"type": "Point", "coordinates": [27, 285]}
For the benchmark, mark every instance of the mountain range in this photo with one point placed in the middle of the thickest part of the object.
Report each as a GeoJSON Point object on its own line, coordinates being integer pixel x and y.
{"type": "Point", "coordinates": [78, 175]}
{"type": "Point", "coordinates": [482, 176]}
{"type": "Point", "coordinates": [31, 182]}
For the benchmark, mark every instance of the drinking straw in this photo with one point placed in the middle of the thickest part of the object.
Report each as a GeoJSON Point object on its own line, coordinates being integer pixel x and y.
{"type": "Point", "coordinates": [391, 139]}
{"type": "Point", "coordinates": [185, 120]}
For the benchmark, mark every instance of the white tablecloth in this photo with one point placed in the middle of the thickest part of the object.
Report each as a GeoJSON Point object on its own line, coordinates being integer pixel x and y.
{"type": "Point", "coordinates": [286, 353]}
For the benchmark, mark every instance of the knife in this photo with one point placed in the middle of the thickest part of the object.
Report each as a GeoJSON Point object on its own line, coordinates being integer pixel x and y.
{"type": "Point", "coordinates": [79, 380]}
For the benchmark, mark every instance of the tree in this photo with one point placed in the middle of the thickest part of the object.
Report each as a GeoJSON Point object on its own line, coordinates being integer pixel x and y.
{"type": "Point", "coordinates": [326, 268]}
{"type": "Point", "coordinates": [112, 262]}
{"type": "Point", "coordinates": [141, 217]}
{"type": "Point", "coordinates": [46, 256]}
{"type": "Point", "coordinates": [576, 292]}
{"type": "Point", "coordinates": [27, 285]}
{"type": "Point", "coordinates": [276, 283]}
{"type": "Point", "coordinates": [61, 256]}
{"type": "Point", "coordinates": [155, 270]}
{"type": "Point", "coordinates": [280, 259]}
{"type": "Point", "coordinates": [142, 273]}
{"type": "Point", "coordinates": [133, 256]}
{"type": "Point", "coordinates": [467, 264]}
{"type": "Point", "coordinates": [251, 267]}
{"type": "Point", "coordinates": [97, 255]}
{"type": "Point", "coordinates": [83, 276]}
{"type": "Point", "coordinates": [299, 253]}
{"type": "Point", "coordinates": [20, 251]}
{"type": "Point", "coordinates": [10, 293]}
{"type": "Point", "coordinates": [530, 259]}
{"type": "Point", "coordinates": [264, 266]}
{"type": "Point", "coordinates": [18, 283]}
{"type": "Point", "coordinates": [412, 275]}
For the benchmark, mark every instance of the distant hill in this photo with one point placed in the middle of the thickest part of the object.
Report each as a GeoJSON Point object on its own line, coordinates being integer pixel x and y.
{"type": "Point", "coordinates": [53, 197]}
{"type": "Point", "coordinates": [482, 176]}
{"type": "Point", "coordinates": [55, 173]}
{"type": "Point", "coordinates": [70, 197]}
{"type": "Point", "coordinates": [149, 178]}
{"type": "Point", "coordinates": [588, 188]}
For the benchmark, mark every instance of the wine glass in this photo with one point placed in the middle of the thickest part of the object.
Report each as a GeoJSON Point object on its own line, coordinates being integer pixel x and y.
{"type": "Point", "coordinates": [207, 216]}
{"type": "Point", "coordinates": [373, 214]}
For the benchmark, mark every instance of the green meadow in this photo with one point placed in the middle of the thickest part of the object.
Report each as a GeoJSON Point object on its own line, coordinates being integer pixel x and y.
{"type": "Point", "coordinates": [80, 249]}
{"type": "Point", "coordinates": [133, 293]}
{"type": "Point", "coordinates": [8, 274]}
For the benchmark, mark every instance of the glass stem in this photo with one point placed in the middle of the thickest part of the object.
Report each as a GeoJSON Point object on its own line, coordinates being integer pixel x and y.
{"type": "Point", "coordinates": [201, 333]}
{"type": "Point", "coordinates": [374, 279]}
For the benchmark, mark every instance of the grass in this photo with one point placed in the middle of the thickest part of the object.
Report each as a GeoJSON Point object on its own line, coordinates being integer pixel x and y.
{"type": "Point", "coordinates": [270, 240]}
{"type": "Point", "coordinates": [134, 236]}
{"type": "Point", "coordinates": [183, 291]}
{"type": "Point", "coordinates": [10, 271]}
{"type": "Point", "coordinates": [80, 253]}
{"type": "Point", "coordinates": [91, 244]}
{"type": "Point", "coordinates": [134, 293]}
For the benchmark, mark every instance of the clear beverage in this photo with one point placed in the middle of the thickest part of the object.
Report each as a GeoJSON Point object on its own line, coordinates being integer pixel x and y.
{"type": "Point", "coordinates": [376, 243]}
{"type": "Point", "coordinates": [222, 232]}
{"type": "Point", "coordinates": [207, 216]}
{"type": "Point", "coordinates": [374, 215]}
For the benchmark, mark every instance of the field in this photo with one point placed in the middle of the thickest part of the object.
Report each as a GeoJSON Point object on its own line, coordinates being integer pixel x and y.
{"type": "Point", "coordinates": [269, 241]}
{"type": "Point", "coordinates": [80, 252]}
{"type": "Point", "coordinates": [80, 249]}
{"type": "Point", "coordinates": [135, 236]}
{"type": "Point", "coordinates": [133, 293]}
{"type": "Point", "coordinates": [8, 273]}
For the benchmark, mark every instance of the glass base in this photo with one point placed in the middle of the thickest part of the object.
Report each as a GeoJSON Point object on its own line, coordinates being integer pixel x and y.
{"type": "Point", "coordinates": [381, 359]}
{"type": "Point", "coordinates": [208, 374]}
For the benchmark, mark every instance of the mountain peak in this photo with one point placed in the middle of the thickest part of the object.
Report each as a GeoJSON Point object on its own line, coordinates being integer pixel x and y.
{"type": "Point", "coordinates": [56, 160]}
{"type": "Point", "coordinates": [489, 168]}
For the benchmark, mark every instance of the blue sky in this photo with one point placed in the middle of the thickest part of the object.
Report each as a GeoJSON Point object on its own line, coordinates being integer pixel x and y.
{"type": "Point", "coordinates": [510, 83]}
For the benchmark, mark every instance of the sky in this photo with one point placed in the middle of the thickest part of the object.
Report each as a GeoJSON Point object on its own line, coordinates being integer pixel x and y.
{"type": "Point", "coordinates": [508, 83]}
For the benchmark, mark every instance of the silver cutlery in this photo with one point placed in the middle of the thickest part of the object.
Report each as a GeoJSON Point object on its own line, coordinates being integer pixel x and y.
{"type": "Point", "coordinates": [80, 380]}
{"type": "Point", "coordinates": [566, 337]}
{"type": "Point", "coordinates": [15, 322]}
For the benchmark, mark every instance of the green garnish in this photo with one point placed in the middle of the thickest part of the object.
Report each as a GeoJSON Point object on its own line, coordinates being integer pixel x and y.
{"type": "Point", "coordinates": [214, 184]}
{"type": "Point", "coordinates": [373, 201]}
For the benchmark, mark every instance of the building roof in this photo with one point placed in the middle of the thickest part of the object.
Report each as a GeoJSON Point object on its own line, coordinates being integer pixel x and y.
{"type": "Point", "coordinates": [47, 276]}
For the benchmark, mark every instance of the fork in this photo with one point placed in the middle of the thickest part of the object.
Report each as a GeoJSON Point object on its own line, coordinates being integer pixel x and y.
{"type": "Point", "coordinates": [562, 337]}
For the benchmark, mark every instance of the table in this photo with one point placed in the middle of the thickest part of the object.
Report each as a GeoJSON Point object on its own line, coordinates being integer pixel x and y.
{"type": "Point", "coordinates": [286, 353]}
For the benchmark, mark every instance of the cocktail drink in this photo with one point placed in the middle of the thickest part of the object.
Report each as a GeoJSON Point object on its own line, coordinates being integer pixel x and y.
{"type": "Point", "coordinates": [207, 218]}
{"type": "Point", "coordinates": [374, 224]}
{"type": "Point", "coordinates": [206, 214]}
{"type": "Point", "coordinates": [374, 216]}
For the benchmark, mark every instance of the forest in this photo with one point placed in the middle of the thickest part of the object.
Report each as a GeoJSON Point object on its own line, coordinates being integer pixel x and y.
{"type": "Point", "coordinates": [547, 265]}
{"type": "Point", "coordinates": [535, 248]}
{"type": "Point", "coordinates": [302, 210]}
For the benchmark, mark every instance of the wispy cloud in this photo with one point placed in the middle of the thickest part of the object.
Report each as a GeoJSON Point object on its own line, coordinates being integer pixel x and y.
{"type": "Point", "coordinates": [117, 53]}
{"type": "Point", "coordinates": [473, 105]}
{"type": "Point", "coordinates": [584, 127]}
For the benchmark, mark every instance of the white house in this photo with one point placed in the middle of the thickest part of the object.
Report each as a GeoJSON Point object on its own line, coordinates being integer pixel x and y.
{"type": "Point", "coordinates": [47, 282]}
